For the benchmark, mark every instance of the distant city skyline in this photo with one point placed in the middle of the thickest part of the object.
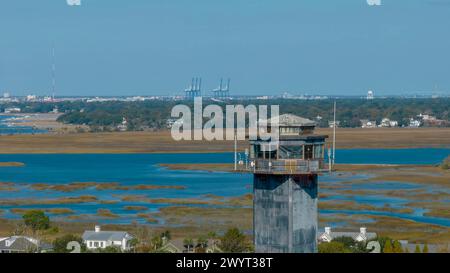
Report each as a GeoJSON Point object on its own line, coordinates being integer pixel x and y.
{"type": "Point", "coordinates": [141, 47]}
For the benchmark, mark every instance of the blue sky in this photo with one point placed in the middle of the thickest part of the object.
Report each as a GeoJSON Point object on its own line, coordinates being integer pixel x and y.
{"type": "Point", "coordinates": [154, 47]}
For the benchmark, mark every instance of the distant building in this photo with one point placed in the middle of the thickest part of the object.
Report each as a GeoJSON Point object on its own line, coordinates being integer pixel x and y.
{"type": "Point", "coordinates": [123, 126]}
{"type": "Point", "coordinates": [178, 246]}
{"type": "Point", "coordinates": [361, 236]}
{"type": "Point", "coordinates": [98, 239]}
{"type": "Point", "coordinates": [413, 123]}
{"type": "Point", "coordinates": [11, 110]}
{"type": "Point", "coordinates": [388, 123]}
{"type": "Point", "coordinates": [170, 122]}
{"type": "Point", "coordinates": [23, 244]}
{"type": "Point", "coordinates": [370, 95]}
{"type": "Point", "coordinates": [331, 124]}
{"type": "Point", "coordinates": [31, 97]}
{"type": "Point", "coordinates": [365, 123]}
{"type": "Point", "coordinates": [431, 121]}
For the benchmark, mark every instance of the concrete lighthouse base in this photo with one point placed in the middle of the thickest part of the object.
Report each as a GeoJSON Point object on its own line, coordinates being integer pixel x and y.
{"type": "Point", "coordinates": [285, 213]}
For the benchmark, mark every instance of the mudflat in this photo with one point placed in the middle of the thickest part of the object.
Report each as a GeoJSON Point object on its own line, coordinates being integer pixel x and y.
{"type": "Point", "coordinates": [162, 142]}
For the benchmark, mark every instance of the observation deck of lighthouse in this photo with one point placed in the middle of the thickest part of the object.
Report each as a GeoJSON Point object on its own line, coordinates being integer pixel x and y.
{"type": "Point", "coordinates": [225, 135]}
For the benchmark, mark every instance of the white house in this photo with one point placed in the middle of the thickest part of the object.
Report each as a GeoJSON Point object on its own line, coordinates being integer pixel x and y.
{"type": "Point", "coordinates": [388, 123]}
{"type": "Point", "coordinates": [98, 239]}
{"type": "Point", "coordinates": [368, 124]}
{"type": "Point", "coordinates": [123, 126]}
{"type": "Point", "coordinates": [361, 236]}
{"type": "Point", "coordinates": [414, 123]}
{"type": "Point", "coordinates": [331, 124]}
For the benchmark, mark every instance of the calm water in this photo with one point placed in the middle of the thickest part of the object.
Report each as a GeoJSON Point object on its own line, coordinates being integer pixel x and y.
{"type": "Point", "coordinates": [392, 156]}
{"type": "Point", "coordinates": [134, 169]}
{"type": "Point", "coordinates": [6, 129]}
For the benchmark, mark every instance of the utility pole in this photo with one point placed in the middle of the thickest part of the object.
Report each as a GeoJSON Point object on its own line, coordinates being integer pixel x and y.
{"type": "Point", "coordinates": [235, 151]}
{"type": "Point", "coordinates": [53, 71]}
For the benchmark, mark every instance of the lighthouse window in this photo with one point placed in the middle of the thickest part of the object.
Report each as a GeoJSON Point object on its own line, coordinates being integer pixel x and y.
{"type": "Point", "coordinates": [318, 150]}
{"type": "Point", "coordinates": [256, 151]}
{"type": "Point", "coordinates": [291, 152]}
{"type": "Point", "coordinates": [270, 155]}
{"type": "Point", "coordinates": [308, 152]}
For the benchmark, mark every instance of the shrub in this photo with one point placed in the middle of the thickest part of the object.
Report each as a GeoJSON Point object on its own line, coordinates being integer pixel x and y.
{"type": "Point", "coordinates": [333, 247]}
{"type": "Point", "coordinates": [234, 241]}
{"type": "Point", "coordinates": [36, 219]}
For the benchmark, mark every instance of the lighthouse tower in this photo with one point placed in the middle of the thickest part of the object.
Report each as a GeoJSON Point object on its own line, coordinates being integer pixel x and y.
{"type": "Point", "coordinates": [285, 186]}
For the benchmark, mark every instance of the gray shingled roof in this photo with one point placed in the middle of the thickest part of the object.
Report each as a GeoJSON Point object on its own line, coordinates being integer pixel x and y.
{"type": "Point", "coordinates": [105, 235]}
{"type": "Point", "coordinates": [369, 235]}
{"type": "Point", "coordinates": [23, 244]}
{"type": "Point", "coordinates": [290, 120]}
{"type": "Point", "coordinates": [353, 235]}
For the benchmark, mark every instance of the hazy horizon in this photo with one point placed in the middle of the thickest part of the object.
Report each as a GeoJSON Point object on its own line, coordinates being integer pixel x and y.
{"type": "Point", "coordinates": [118, 48]}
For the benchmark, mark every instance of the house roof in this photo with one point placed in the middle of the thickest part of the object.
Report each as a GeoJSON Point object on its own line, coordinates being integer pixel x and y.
{"type": "Point", "coordinates": [289, 120]}
{"type": "Point", "coordinates": [22, 243]}
{"type": "Point", "coordinates": [353, 235]}
{"type": "Point", "coordinates": [179, 246]}
{"type": "Point", "coordinates": [91, 235]}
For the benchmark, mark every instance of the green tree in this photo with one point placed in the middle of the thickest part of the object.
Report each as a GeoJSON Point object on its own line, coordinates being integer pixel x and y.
{"type": "Point", "coordinates": [157, 242]}
{"type": "Point", "coordinates": [351, 245]}
{"type": "Point", "coordinates": [388, 247]}
{"type": "Point", "coordinates": [188, 244]}
{"type": "Point", "coordinates": [166, 234]}
{"type": "Point", "coordinates": [234, 241]}
{"type": "Point", "coordinates": [333, 247]}
{"type": "Point", "coordinates": [417, 250]}
{"type": "Point", "coordinates": [36, 220]}
{"type": "Point", "coordinates": [60, 244]}
{"type": "Point", "coordinates": [110, 249]}
{"type": "Point", "coordinates": [202, 242]}
{"type": "Point", "coordinates": [397, 247]}
{"type": "Point", "coordinates": [134, 244]}
{"type": "Point", "coordinates": [425, 248]}
{"type": "Point", "coordinates": [382, 241]}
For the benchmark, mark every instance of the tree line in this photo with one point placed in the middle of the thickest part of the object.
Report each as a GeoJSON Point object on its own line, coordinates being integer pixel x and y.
{"type": "Point", "coordinates": [153, 114]}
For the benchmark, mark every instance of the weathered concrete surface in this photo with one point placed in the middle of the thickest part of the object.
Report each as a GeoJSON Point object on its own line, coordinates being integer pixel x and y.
{"type": "Point", "coordinates": [285, 213]}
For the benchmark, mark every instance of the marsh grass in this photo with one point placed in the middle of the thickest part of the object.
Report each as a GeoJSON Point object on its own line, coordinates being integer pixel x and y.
{"type": "Point", "coordinates": [12, 164]}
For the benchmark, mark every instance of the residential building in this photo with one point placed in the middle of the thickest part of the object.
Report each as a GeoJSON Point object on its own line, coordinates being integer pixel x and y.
{"type": "Point", "coordinates": [361, 236]}
{"type": "Point", "coordinates": [388, 123]}
{"type": "Point", "coordinates": [123, 126]}
{"type": "Point", "coordinates": [31, 97]}
{"type": "Point", "coordinates": [331, 124]}
{"type": "Point", "coordinates": [178, 246]}
{"type": "Point", "coordinates": [23, 244]}
{"type": "Point", "coordinates": [413, 123]}
{"type": "Point", "coordinates": [365, 123]}
{"type": "Point", "coordinates": [98, 239]}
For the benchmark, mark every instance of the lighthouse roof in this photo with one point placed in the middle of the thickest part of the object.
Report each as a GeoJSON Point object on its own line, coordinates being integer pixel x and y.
{"type": "Point", "coordinates": [289, 120]}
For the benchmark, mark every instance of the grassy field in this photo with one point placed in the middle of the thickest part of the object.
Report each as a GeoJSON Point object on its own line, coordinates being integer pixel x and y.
{"type": "Point", "coordinates": [161, 142]}
{"type": "Point", "coordinates": [11, 164]}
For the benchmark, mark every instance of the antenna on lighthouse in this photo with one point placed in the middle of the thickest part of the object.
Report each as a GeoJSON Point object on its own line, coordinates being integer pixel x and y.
{"type": "Point", "coordinates": [334, 132]}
